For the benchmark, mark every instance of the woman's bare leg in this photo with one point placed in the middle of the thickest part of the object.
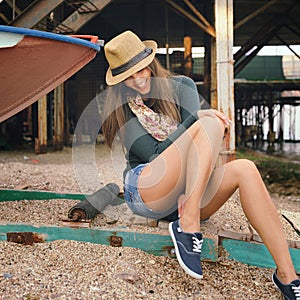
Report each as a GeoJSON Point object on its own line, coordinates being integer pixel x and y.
{"type": "Point", "coordinates": [201, 160]}
{"type": "Point", "coordinates": [258, 208]}
{"type": "Point", "coordinates": [188, 162]}
{"type": "Point", "coordinates": [184, 167]}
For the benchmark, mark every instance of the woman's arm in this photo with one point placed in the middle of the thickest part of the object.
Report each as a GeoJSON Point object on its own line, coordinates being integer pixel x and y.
{"type": "Point", "coordinates": [189, 98]}
{"type": "Point", "coordinates": [139, 142]}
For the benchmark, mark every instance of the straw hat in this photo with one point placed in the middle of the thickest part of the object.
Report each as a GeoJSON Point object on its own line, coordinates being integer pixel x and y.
{"type": "Point", "coordinates": [126, 55]}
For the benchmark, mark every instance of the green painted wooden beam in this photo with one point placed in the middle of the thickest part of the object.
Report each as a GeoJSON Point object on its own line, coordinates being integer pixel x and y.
{"type": "Point", "coordinates": [14, 195]}
{"type": "Point", "coordinates": [156, 244]}
{"type": "Point", "coordinates": [246, 252]}
{"type": "Point", "coordinates": [252, 253]}
{"type": "Point", "coordinates": [255, 254]}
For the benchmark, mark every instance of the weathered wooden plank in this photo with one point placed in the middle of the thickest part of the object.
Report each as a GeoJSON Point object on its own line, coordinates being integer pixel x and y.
{"type": "Point", "coordinates": [157, 244]}
{"type": "Point", "coordinates": [240, 247]}
{"type": "Point", "coordinates": [255, 254]}
{"type": "Point", "coordinates": [14, 195]}
{"type": "Point", "coordinates": [251, 253]}
{"type": "Point", "coordinates": [250, 237]}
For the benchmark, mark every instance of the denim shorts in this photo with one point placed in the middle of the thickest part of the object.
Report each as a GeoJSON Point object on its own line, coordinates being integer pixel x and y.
{"type": "Point", "coordinates": [133, 197]}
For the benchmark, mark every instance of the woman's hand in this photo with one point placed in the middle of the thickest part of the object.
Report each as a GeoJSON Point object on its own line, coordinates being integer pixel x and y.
{"type": "Point", "coordinates": [214, 112]}
{"type": "Point", "coordinates": [222, 116]}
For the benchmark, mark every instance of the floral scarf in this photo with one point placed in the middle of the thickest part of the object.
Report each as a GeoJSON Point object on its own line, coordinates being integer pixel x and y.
{"type": "Point", "coordinates": [158, 125]}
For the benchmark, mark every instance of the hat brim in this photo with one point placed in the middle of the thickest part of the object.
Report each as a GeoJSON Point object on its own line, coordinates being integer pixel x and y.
{"type": "Point", "coordinates": [112, 80]}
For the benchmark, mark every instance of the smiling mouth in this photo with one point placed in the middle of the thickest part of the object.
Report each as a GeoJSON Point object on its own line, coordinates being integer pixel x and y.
{"type": "Point", "coordinates": [142, 84]}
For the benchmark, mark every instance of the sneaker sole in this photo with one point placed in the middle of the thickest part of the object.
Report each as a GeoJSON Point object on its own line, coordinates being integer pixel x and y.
{"type": "Point", "coordinates": [181, 263]}
{"type": "Point", "coordinates": [277, 288]}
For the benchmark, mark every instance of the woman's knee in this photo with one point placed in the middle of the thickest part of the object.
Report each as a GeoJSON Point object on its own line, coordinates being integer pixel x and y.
{"type": "Point", "coordinates": [244, 167]}
{"type": "Point", "coordinates": [213, 127]}
{"type": "Point", "coordinates": [208, 116]}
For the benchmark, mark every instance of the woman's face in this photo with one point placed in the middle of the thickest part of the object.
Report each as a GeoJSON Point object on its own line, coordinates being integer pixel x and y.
{"type": "Point", "coordinates": [140, 81]}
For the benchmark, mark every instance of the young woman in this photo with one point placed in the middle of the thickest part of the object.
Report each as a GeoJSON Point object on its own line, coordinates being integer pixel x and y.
{"type": "Point", "coordinates": [171, 145]}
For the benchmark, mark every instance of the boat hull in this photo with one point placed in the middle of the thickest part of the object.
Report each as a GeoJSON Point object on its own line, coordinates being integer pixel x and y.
{"type": "Point", "coordinates": [34, 63]}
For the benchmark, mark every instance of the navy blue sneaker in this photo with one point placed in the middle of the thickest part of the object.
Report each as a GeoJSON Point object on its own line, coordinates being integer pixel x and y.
{"type": "Point", "coordinates": [289, 291]}
{"type": "Point", "coordinates": [188, 249]}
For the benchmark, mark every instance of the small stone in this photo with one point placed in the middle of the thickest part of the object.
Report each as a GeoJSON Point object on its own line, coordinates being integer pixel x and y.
{"type": "Point", "coordinates": [130, 276]}
{"type": "Point", "coordinates": [7, 275]}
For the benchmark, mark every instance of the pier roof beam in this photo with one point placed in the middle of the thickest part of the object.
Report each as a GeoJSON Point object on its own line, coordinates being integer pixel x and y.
{"type": "Point", "coordinates": [34, 13]}
{"type": "Point", "coordinates": [81, 16]}
{"type": "Point", "coordinates": [183, 12]}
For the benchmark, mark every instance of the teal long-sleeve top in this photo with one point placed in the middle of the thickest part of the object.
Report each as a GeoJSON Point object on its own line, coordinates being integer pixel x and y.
{"type": "Point", "coordinates": [140, 146]}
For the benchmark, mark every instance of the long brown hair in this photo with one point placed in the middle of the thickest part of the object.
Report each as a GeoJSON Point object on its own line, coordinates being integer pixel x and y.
{"type": "Point", "coordinates": [163, 100]}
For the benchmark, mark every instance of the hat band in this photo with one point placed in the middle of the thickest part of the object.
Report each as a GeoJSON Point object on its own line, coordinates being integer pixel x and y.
{"type": "Point", "coordinates": [132, 62]}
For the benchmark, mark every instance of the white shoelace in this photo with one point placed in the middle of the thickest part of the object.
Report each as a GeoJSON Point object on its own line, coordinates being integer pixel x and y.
{"type": "Point", "coordinates": [197, 244]}
{"type": "Point", "coordinates": [296, 290]}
